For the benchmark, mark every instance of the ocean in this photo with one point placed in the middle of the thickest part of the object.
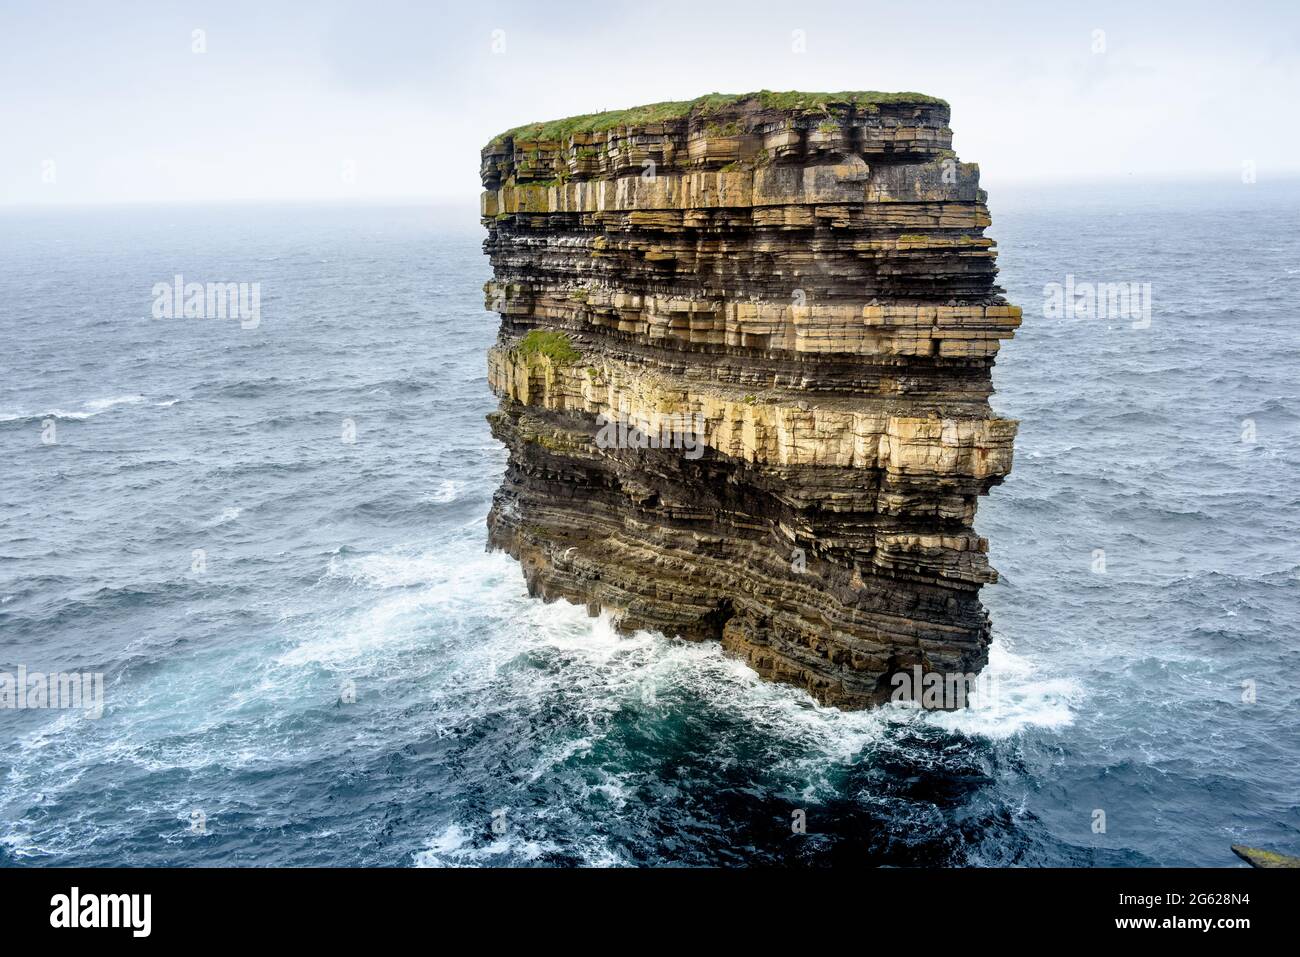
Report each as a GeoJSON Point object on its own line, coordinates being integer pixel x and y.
{"type": "Point", "coordinates": [269, 539]}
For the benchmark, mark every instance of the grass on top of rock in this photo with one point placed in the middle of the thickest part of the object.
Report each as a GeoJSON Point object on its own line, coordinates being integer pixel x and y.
{"type": "Point", "coordinates": [793, 100]}
{"type": "Point", "coordinates": [554, 345]}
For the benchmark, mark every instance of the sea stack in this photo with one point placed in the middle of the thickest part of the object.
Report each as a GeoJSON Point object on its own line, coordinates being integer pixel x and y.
{"type": "Point", "coordinates": [744, 369]}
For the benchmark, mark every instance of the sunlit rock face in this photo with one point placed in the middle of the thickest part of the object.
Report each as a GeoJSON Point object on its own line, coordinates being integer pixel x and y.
{"type": "Point", "coordinates": [744, 367]}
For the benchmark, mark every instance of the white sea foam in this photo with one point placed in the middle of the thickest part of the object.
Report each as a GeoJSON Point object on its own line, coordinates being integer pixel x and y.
{"type": "Point", "coordinates": [448, 491]}
{"type": "Point", "coordinates": [592, 662]}
{"type": "Point", "coordinates": [228, 514]}
{"type": "Point", "coordinates": [391, 570]}
{"type": "Point", "coordinates": [451, 841]}
{"type": "Point", "coordinates": [101, 405]}
{"type": "Point", "coordinates": [454, 848]}
{"type": "Point", "coordinates": [419, 600]}
{"type": "Point", "coordinates": [1024, 698]}
{"type": "Point", "coordinates": [88, 410]}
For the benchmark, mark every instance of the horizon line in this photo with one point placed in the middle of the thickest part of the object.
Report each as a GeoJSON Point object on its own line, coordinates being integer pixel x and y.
{"type": "Point", "coordinates": [435, 201]}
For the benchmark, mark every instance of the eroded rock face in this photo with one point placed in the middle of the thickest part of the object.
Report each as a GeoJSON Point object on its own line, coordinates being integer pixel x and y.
{"type": "Point", "coordinates": [791, 301]}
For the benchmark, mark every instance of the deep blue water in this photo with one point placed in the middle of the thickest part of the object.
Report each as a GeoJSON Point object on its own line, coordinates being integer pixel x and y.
{"type": "Point", "coordinates": [330, 562]}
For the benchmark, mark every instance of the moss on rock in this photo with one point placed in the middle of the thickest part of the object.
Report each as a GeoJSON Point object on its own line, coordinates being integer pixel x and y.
{"type": "Point", "coordinates": [554, 345]}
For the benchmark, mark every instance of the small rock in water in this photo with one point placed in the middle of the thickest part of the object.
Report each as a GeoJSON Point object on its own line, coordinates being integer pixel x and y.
{"type": "Point", "coordinates": [1260, 858]}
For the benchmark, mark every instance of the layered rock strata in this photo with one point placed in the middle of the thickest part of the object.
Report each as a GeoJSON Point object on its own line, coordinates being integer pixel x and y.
{"type": "Point", "coordinates": [744, 369]}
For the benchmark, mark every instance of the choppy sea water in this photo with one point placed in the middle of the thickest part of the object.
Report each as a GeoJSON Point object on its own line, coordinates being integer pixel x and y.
{"type": "Point", "coordinates": [490, 729]}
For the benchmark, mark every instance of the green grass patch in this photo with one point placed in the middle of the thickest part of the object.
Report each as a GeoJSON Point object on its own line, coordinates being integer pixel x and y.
{"type": "Point", "coordinates": [554, 345]}
{"type": "Point", "coordinates": [792, 100]}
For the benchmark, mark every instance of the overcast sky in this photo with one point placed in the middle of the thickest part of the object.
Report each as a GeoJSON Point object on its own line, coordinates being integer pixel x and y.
{"type": "Point", "coordinates": [109, 102]}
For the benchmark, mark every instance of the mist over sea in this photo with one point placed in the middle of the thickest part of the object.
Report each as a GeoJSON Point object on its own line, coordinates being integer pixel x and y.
{"type": "Point", "coordinates": [309, 658]}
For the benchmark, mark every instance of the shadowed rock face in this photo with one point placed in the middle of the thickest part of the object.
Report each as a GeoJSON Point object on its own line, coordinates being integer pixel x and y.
{"type": "Point", "coordinates": [790, 300]}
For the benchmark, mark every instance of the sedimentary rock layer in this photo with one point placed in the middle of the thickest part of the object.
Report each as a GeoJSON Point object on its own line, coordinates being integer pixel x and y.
{"type": "Point", "coordinates": [791, 300]}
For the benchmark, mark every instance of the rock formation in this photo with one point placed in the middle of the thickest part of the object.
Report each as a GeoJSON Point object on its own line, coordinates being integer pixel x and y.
{"type": "Point", "coordinates": [1256, 857]}
{"type": "Point", "coordinates": [744, 368]}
